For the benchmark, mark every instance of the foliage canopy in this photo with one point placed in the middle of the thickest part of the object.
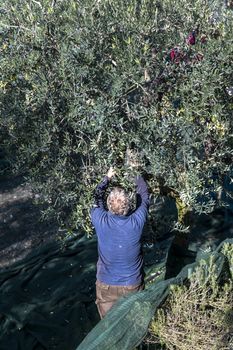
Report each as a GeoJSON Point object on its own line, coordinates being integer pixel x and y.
{"type": "Point", "coordinates": [81, 81]}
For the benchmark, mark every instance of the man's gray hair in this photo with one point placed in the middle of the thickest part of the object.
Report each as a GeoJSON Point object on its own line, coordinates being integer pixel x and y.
{"type": "Point", "coordinates": [118, 201]}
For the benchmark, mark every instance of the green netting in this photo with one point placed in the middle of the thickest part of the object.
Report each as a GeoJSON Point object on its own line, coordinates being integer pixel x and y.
{"type": "Point", "coordinates": [47, 299]}
{"type": "Point", "coordinates": [126, 324]}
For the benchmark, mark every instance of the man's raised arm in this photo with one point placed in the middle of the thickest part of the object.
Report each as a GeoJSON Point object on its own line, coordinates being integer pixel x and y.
{"type": "Point", "coordinates": [142, 191]}
{"type": "Point", "coordinates": [99, 193]}
{"type": "Point", "coordinates": [143, 201]}
{"type": "Point", "coordinates": [101, 188]}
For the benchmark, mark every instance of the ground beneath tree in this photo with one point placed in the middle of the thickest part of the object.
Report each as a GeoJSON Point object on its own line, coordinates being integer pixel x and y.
{"type": "Point", "coordinates": [21, 228]}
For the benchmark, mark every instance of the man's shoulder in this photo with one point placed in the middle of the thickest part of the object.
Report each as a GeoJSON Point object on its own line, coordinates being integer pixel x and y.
{"type": "Point", "coordinates": [96, 210]}
{"type": "Point", "coordinates": [139, 216]}
{"type": "Point", "coordinates": [97, 213]}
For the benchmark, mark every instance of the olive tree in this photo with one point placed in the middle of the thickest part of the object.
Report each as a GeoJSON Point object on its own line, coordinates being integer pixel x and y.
{"type": "Point", "coordinates": [84, 81]}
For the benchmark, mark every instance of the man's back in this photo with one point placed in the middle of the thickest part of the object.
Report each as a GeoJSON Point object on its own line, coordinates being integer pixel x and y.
{"type": "Point", "coordinates": [120, 258]}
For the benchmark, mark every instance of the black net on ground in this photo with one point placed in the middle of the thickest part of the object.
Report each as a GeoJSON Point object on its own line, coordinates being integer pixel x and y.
{"type": "Point", "coordinates": [126, 324]}
{"type": "Point", "coordinates": [48, 299]}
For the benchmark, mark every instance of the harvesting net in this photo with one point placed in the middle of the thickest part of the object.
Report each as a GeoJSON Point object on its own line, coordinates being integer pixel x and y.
{"type": "Point", "coordinates": [126, 324]}
{"type": "Point", "coordinates": [47, 299]}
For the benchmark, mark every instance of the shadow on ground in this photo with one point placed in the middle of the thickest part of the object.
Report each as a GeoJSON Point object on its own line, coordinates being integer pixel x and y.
{"type": "Point", "coordinates": [21, 229]}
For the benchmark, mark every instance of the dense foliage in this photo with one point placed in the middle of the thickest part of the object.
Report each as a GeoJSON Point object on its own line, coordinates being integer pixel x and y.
{"type": "Point", "coordinates": [81, 81]}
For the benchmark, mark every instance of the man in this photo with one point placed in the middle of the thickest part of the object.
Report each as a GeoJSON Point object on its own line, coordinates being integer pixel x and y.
{"type": "Point", "coordinates": [119, 267]}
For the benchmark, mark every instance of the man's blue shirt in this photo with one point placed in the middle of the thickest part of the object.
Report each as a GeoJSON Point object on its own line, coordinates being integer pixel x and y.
{"type": "Point", "coordinates": [119, 238]}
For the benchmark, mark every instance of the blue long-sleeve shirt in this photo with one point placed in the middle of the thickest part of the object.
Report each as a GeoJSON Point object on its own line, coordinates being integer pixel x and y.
{"type": "Point", "coordinates": [120, 257]}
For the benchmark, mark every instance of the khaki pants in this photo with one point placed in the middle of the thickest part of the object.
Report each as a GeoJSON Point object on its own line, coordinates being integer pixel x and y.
{"type": "Point", "coordinates": [107, 295]}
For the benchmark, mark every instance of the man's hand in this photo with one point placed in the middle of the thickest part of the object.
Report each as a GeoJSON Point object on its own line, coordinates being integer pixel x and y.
{"type": "Point", "coordinates": [111, 172]}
